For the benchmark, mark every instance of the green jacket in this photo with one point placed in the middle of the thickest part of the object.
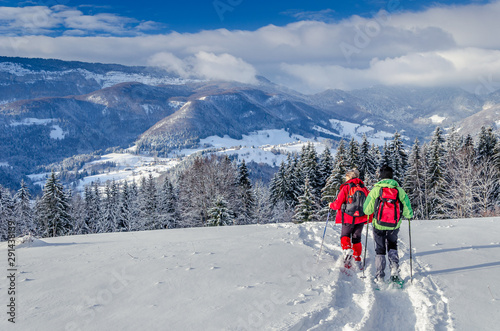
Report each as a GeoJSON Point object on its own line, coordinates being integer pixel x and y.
{"type": "Point", "coordinates": [369, 206]}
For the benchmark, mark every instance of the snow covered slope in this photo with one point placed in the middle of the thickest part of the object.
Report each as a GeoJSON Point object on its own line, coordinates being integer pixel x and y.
{"type": "Point", "coordinates": [258, 277]}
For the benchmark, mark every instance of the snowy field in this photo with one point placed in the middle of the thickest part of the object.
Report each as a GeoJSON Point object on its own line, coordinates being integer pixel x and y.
{"type": "Point", "coordinates": [257, 277]}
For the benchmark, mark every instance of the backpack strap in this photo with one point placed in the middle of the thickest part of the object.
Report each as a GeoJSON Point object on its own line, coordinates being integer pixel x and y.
{"type": "Point", "coordinates": [342, 209]}
{"type": "Point", "coordinates": [380, 212]}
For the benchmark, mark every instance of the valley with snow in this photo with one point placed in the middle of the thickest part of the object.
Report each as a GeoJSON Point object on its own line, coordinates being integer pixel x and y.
{"type": "Point", "coordinates": [269, 147]}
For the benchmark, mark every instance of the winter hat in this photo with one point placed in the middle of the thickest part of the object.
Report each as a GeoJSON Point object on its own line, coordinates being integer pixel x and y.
{"type": "Point", "coordinates": [385, 172]}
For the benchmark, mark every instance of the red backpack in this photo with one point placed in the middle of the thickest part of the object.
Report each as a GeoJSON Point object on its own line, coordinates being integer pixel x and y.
{"type": "Point", "coordinates": [388, 207]}
{"type": "Point", "coordinates": [353, 206]}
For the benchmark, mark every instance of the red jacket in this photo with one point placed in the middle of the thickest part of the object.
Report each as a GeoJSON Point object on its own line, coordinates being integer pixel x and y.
{"type": "Point", "coordinates": [341, 198]}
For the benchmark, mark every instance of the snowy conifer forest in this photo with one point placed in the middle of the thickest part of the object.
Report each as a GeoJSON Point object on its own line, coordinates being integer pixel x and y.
{"type": "Point", "coordinates": [451, 176]}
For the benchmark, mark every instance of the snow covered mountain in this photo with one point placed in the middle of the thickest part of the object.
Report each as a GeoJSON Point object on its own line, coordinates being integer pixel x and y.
{"type": "Point", "coordinates": [256, 277]}
{"type": "Point", "coordinates": [25, 78]}
{"type": "Point", "coordinates": [417, 111]}
{"type": "Point", "coordinates": [51, 109]}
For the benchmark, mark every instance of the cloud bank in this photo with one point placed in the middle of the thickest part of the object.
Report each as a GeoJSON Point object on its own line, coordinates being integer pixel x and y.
{"type": "Point", "coordinates": [441, 46]}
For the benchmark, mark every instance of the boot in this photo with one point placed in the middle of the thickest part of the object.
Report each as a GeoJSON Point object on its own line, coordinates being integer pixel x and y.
{"type": "Point", "coordinates": [380, 266]}
{"type": "Point", "coordinates": [347, 251]}
{"type": "Point", "coordinates": [357, 248]}
{"type": "Point", "coordinates": [394, 263]}
{"type": "Point", "coordinates": [347, 257]}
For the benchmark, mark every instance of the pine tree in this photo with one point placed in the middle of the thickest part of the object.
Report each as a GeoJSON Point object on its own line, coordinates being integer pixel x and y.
{"type": "Point", "coordinates": [219, 214]}
{"type": "Point", "coordinates": [371, 172]}
{"type": "Point", "coordinates": [309, 166]}
{"type": "Point", "coordinates": [496, 156]}
{"type": "Point", "coordinates": [167, 206]}
{"type": "Point", "coordinates": [336, 178]}
{"type": "Point", "coordinates": [415, 181]}
{"type": "Point", "coordinates": [353, 155]}
{"type": "Point", "coordinates": [148, 203]}
{"type": "Point", "coordinates": [246, 195]}
{"type": "Point", "coordinates": [454, 143]}
{"type": "Point", "coordinates": [283, 186]}
{"type": "Point", "coordinates": [93, 207]}
{"type": "Point", "coordinates": [366, 163]}
{"type": "Point", "coordinates": [340, 165]}
{"type": "Point", "coordinates": [110, 207]}
{"type": "Point", "coordinates": [278, 186]}
{"type": "Point", "coordinates": [399, 158]}
{"type": "Point", "coordinates": [24, 212]}
{"type": "Point", "coordinates": [486, 145]}
{"type": "Point", "coordinates": [127, 208]}
{"type": "Point", "coordinates": [496, 165]}
{"type": "Point", "coordinates": [325, 167]}
{"type": "Point", "coordinates": [307, 208]}
{"type": "Point", "coordinates": [6, 213]}
{"type": "Point", "coordinates": [293, 179]}
{"type": "Point", "coordinates": [386, 157]}
{"type": "Point", "coordinates": [435, 175]}
{"type": "Point", "coordinates": [53, 209]}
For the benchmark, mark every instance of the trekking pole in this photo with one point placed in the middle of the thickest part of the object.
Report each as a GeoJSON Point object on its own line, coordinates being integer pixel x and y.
{"type": "Point", "coordinates": [324, 232]}
{"type": "Point", "coordinates": [366, 246]}
{"type": "Point", "coordinates": [411, 267]}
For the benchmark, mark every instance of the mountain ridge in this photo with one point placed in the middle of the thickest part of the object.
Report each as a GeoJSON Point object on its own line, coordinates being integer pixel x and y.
{"type": "Point", "coordinates": [46, 116]}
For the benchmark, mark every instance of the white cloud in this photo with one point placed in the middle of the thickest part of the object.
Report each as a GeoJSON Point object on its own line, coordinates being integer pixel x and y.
{"type": "Point", "coordinates": [458, 67]}
{"type": "Point", "coordinates": [171, 63]}
{"type": "Point", "coordinates": [42, 20]}
{"type": "Point", "coordinates": [207, 65]}
{"type": "Point", "coordinates": [454, 45]}
{"type": "Point", "coordinates": [224, 67]}
{"type": "Point", "coordinates": [27, 20]}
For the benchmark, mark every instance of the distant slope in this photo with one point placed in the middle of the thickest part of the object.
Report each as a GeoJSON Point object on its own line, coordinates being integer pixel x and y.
{"type": "Point", "coordinates": [110, 117]}
{"type": "Point", "coordinates": [26, 78]}
{"type": "Point", "coordinates": [234, 112]}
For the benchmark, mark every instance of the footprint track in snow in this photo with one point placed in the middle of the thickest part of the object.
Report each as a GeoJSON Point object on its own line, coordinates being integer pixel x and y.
{"type": "Point", "coordinates": [354, 304]}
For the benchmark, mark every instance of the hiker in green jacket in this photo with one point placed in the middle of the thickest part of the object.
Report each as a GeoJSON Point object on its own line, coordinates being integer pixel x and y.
{"type": "Point", "coordinates": [388, 202]}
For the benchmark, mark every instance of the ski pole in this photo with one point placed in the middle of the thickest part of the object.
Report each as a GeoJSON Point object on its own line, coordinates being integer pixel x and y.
{"type": "Point", "coordinates": [366, 246]}
{"type": "Point", "coordinates": [324, 232]}
{"type": "Point", "coordinates": [411, 267]}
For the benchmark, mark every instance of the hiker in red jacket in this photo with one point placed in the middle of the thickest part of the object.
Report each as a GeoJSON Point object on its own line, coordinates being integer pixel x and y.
{"type": "Point", "coordinates": [349, 206]}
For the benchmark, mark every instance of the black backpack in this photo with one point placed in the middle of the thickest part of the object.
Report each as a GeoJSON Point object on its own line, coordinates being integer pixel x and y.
{"type": "Point", "coordinates": [353, 206]}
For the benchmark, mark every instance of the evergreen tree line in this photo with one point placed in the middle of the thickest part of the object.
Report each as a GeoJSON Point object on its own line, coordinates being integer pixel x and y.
{"type": "Point", "coordinates": [449, 177]}
{"type": "Point", "coordinates": [212, 191]}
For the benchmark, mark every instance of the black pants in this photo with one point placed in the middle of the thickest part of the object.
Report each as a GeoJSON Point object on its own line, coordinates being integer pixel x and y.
{"type": "Point", "coordinates": [385, 240]}
{"type": "Point", "coordinates": [352, 231]}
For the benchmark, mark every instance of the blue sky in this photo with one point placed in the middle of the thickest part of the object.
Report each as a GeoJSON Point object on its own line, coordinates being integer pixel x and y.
{"type": "Point", "coordinates": [196, 15]}
{"type": "Point", "coordinates": [306, 45]}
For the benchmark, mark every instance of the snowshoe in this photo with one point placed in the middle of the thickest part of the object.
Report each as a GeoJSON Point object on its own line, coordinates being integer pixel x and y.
{"type": "Point", "coordinates": [358, 265]}
{"type": "Point", "coordinates": [347, 258]}
{"type": "Point", "coordinates": [397, 282]}
{"type": "Point", "coordinates": [379, 283]}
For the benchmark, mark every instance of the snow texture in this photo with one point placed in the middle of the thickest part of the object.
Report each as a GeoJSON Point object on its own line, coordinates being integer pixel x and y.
{"type": "Point", "coordinates": [256, 277]}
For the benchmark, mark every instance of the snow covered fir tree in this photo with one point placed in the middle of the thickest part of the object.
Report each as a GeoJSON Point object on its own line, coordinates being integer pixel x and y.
{"type": "Point", "coordinates": [451, 176]}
